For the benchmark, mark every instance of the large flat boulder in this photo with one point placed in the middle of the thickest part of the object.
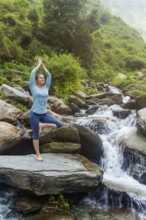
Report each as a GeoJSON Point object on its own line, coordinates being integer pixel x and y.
{"type": "Point", "coordinates": [58, 173]}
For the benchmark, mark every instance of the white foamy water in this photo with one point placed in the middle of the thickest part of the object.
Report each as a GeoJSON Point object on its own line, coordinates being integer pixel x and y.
{"type": "Point", "coordinates": [115, 177]}
{"type": "Point", "coordinates": [7, 204]}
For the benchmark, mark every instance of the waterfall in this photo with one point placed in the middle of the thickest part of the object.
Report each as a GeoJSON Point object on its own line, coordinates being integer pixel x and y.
{"type": "Point", "coordinates": [118, 188]}
{"type": "Point", "coordinates": [7, 200]}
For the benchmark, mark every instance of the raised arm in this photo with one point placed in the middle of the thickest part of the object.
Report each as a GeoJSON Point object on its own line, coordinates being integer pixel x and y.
{"type": "Point", "coordinates": [48, 74]}
{"type": "Point", "coordinates": [33, 72]}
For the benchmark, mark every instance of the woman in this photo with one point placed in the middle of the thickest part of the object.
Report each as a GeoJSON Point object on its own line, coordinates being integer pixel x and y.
{"type": "Point", "coordinates": [39, 118]}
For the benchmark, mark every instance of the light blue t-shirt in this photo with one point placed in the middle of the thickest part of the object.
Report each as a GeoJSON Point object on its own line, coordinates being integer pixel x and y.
{"type": "Point", "coordinates": [40, 96]}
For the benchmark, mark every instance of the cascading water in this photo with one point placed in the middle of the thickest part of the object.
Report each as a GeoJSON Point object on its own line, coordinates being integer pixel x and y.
{"type": "Point", "coordinates": [118, 188]}
{"type": "Point", "coordinates": [7, 203]}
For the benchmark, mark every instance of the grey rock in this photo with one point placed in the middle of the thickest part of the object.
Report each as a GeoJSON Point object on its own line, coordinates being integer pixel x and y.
{"type": "Point", "coordinates": [58, 173]}
{"type": "Point", "coordinates": [74, 107]}
{"type": "Point", "coordinates": [130, 105]}
{"type": "Point", "coordinates": [16, 95]}
{"type": "Point", "coordinates": [121, 113]}
{"type": "Point", "coordinates": [65, 134]}
{"type": "Point", "coordinates": [80, 94]}
{"type": "Point", "coordinates": [141, 121]}
{"type": "Point", "coordinates": [92, 109]}
{"type": "Point", "coordinates": [8, 113]}
{"type": "Point", "coordinates": [135, 141]}
{"type": "Point", "coordinates": [91, 144]}
{"type": "Point", "coordinates": [79, 102]}
{"type": "Point", "coordinates": [60, 147]}
{"type": "Point", "coordinates": [9, 136]}
{"type": "Point", "coordinates": [141, 102]}
{"type": "Point", "coordinates": [27, 205]}
{"type": "Point", "coordinates": [121, 76]}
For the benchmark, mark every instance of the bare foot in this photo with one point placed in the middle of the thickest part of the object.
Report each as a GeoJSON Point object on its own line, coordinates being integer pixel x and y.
{"type": "Point", "coordinates": [39, 158]}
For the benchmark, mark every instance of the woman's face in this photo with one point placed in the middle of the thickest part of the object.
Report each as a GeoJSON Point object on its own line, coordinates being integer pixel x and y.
{"type": "Point", "coordinates": [40, 80]}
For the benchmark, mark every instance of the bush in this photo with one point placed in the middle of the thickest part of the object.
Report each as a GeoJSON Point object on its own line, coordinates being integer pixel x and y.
{"type": "Point", "coordinates": [122, 83]}
{"type": "Point", "coordinates": [135, 64]}
{"type": "Point", "coordinates": [66, 72]}
{"type": "Point", "coordinates": [14, 74]}
{"type": "Point", "coordinates": [19, 105]}
{"type": "Point", "coordinates": [136, 92]}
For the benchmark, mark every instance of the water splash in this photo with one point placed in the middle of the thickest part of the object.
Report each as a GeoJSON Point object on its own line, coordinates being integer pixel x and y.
{"type": "Point", "coordinates": [119, 188]}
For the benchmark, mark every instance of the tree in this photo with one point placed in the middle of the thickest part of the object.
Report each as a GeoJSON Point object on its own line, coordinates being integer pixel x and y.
{"type": "Point", "coordinates": [68, 26]}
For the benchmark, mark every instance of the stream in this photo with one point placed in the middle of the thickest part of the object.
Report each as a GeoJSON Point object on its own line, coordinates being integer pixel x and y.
{"type": "Point", "coordinates": [119, 192]}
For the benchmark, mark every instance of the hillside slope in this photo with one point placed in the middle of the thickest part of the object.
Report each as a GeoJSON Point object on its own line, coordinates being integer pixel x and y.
{"type": "Point", "coordinates": [133, 12]}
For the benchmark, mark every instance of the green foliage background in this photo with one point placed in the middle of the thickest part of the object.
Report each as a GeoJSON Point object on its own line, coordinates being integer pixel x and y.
{"type": "Point", "coordinates": [76, 39]}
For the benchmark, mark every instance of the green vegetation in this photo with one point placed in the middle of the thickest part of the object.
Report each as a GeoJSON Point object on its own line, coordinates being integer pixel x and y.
{"type": "Point", "coordinates": [76, 39]}
{"type": "Point", "coordinates": [58, 203]}
{"type": "Point", "coordinates": [19, 105]}
{"type": "Point", "coordinates": [136, 93]}
{"type": "Point", "coordinates": [133, 12]}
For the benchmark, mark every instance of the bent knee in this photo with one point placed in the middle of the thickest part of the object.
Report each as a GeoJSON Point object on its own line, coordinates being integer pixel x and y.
{"type": "Point", "coordinates": [59, 125]}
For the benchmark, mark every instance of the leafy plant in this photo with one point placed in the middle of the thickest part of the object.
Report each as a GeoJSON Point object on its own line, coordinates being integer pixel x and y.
{"type": "Point", "coordinates": [59, 203]}
{"type": "Point", "coordinates": [136, 93]}
{"type": "Point", "coordinates": [19, 105]}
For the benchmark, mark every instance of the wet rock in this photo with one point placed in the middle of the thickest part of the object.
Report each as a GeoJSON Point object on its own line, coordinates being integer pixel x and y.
{"type": "Point", "coordinates": [118, 214]}
{"type": "Point", "coordinates": [135, 141]}
{"type": "Point", "coordinates": [141, 121]}
{"type": "Point", "coordinates": [61, 147]}
{"type": "Point", "coordinates": [80, 114]}
{"type": "Point", "coordinates": [134, 150]}
{"type": "Point", "coordinates": [117, 99]}
{"type": "Point", "coordinates": [92, 109]}
{"type": "Point", "coordinates": [121, 113]}
{"type": "Point", "coordinates": [130, 105]}
{"type": "Point", "coordinates": [138, 172]}
{"type": "Point", "coordinates": [91, 144]}
{"type": "Point", "coordinates": [114, 194]}
{"type": "Point", "coordinates": [107, 98]}
{"type": "Point", "coordinates": [58, 173]}
{"type": "Point", "coordinates": [54, 217]}
{"type": "Point", "coordinates": [27, 205]}
{"type": "Point", "coordinates": [97, 124]}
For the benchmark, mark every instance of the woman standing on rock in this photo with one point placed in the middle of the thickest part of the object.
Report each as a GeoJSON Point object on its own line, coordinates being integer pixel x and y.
{"type": "Point", "coordinates": [39, 118]}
